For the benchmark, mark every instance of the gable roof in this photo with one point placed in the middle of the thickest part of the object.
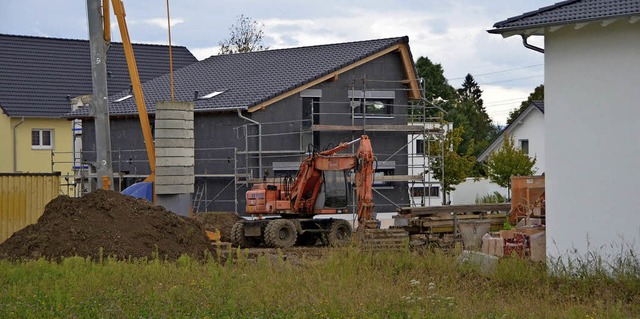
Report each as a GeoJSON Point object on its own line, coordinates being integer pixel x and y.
{"type": "Point", "coordinates": [37, 74]}
{"type": "Point", "coordinates": [497, 142]}
{"type": "Point", "coordinates": [253, 80]}
{"type": "Point", "coordinates": [567, 12]}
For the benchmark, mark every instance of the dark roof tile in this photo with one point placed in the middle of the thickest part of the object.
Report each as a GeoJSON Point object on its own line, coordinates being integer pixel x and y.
{"type": "Point", "coordinates": [249, 79]}
{"type": "Point", "coordinates": [539, 104]}
{"type": "Point", "coordinates": [572, 11]}
{"type": "Point", "coordinates": [37, 74]}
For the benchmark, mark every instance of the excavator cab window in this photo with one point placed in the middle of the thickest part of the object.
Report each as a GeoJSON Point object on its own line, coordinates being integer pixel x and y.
{"type": "Point", "coordinates": [335, 189]}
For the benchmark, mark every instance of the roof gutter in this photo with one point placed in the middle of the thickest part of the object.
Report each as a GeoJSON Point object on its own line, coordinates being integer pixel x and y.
{"type": "Point", "coordinates": [529, 46]}
{"type": "Point", "coordinates": [259, 140]}
{"type": "Point", "coordinates": [15, 145]}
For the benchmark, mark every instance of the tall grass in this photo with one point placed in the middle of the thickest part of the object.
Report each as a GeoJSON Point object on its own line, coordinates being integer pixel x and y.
{"type": "Point", "coordinates": [494, 197]}
{"type": "Point", "coordinates": [343, 283]}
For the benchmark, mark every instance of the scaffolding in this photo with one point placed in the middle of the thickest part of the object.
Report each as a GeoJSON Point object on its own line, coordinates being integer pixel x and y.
{"type": "Point", "coordinates": [423, 121]}
{"type": "Point", "coordinates": [363, 112]}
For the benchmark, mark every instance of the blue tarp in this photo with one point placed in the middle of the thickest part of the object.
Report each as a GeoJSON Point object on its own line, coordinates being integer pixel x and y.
{"type": "Point", "coordinates": [140, 190]}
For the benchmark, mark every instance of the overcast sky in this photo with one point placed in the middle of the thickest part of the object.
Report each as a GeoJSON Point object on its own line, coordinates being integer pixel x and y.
{"type": "Point", "coordinates": [452, 33]}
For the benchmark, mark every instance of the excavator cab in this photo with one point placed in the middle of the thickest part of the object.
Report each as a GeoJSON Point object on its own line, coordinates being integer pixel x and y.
{"type": "Point", "coordinates": [334, 190]}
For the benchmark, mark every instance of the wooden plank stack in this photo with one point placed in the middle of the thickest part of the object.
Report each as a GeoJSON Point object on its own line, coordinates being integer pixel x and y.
{"type": "Point", "coordinates": [384, 239]}
{"type": "Point", "coordinates": [439, 224]}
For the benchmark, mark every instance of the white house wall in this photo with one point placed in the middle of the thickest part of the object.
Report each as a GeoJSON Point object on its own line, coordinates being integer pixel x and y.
{"type": "Point", "coordinates": [467, 191]}
{"type": "Point", "coordinates": [592, 114]}
{"type": "Point", "coordinates": [532, 128]}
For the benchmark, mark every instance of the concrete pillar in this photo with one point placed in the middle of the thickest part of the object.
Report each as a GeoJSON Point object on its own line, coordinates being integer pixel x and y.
{"type": "Point", "coordinates": [175, 159]}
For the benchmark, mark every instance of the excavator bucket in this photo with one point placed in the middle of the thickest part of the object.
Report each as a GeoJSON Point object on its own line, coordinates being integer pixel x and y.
{"type": "Point", "coordinates": [214, 235]}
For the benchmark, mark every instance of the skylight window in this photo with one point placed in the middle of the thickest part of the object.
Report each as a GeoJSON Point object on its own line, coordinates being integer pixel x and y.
{"type": "Point", "coordinates": [124, 98]}
{"type": "Point", "coordinates": [210, 95]}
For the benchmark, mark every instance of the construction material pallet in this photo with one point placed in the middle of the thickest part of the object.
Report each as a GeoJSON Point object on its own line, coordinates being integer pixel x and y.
{"type": "Point", "coordinates": [437, 224]}
{"type": "Point", "coordinates": [440, 224]}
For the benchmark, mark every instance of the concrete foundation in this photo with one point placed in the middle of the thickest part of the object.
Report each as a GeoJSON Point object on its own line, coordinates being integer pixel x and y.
{"type": "Point", "coordinates": [177, 203]}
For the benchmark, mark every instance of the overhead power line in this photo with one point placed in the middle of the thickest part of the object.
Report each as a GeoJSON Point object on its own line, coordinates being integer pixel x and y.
{"type": "Point", "coordinates": [500, 71]}
{"type": "Point", "coordinates": [514, 79]}
{"type": "Point", "coordinates": [494, 105]}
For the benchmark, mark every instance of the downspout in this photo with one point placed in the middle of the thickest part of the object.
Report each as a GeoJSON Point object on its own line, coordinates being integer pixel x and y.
{"type": "Point", "coordinates": [529, 46]}
{"type": "Point", "coordinates": [260, 172]}
{"type": "Point", "coordinates": [15, 145]}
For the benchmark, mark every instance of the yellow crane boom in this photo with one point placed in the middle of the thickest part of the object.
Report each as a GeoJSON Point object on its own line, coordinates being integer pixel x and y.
{"type": "Point", "coordinates": [118, 9]}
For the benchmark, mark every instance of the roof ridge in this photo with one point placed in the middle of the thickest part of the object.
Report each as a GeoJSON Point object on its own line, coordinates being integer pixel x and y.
{"type": "Point", "coordinates": [398, 39]}
{"type": "Point", "coordinates": [84, 40]}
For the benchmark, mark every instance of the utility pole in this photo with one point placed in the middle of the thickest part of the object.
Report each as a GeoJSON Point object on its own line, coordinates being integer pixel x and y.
{"type": "Point", "coordinates": [100, 101]}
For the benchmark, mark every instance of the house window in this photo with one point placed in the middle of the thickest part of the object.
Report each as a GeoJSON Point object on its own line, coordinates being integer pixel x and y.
{"type": "Point", "coordinates": [420, 147]}
{"type": "Point", "coordinates": [372, 104]}
{"type": "Point", "coordinates": [433, 191]}
{"type": "Point", "coordinates": [383, 168]}
{"type": "Point", "coordinates": [310, 111]}
{"type": "Point", "coordinates": [372, 107]}
{"type": "Point", "coordinates": [42, 139]}
{"type": "Point", "coordinates": [378, 178]}
{"type": "Point", "coordinates": [524, 146]}
{"type": "Point", "coordinates": [285, 169]}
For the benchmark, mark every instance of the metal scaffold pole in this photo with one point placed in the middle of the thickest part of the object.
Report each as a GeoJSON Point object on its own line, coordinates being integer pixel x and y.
{"type": "Point", "coordinates": [100, 101]}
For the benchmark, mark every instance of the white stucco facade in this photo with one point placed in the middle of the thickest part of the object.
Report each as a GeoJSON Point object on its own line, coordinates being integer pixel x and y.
{"type": "Point", "coordinates": [592, 117]}
{"type": "Point", "coordinates": [472, 188]}
{"type": "Point", "coordinates": [530, 127]}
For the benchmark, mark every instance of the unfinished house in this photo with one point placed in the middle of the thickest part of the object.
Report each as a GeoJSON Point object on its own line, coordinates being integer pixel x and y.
{"type": "Point", "coordinates": [258, 114]}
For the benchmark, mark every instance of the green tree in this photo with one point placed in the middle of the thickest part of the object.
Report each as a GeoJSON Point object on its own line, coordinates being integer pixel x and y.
{"type": "Point", "coordinates": [537, 94]}
{"type": "Point", "coordinates": [509, 161]}
{"type": "Point", "coordinates": [478, 122]}
{"type": "Point", "coordinates": [246, 36]}
{"type": "Point", "coordinates": [436, 85]}
{"type": "Point", "coordinates": [456, 166]}
{"type": "Point", "coordinates": [470, 91]}
{"type": "Point", "coordinates": [437, 90]}
{"type": "Point", "coordinates": [468, 112]}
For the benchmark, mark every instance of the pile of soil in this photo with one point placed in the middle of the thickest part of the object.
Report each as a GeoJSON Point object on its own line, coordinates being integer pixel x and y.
{"type": "Point", "coordinates": [222, 221]}
{"type": "Point", "coordinates": [121, 225]}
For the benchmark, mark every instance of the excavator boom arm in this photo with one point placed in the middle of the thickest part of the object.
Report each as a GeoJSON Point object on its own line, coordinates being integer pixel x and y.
{"type": "Point", "coordinates": [364, 182]}
{"type": "Point", "coordinates": [306, 187]}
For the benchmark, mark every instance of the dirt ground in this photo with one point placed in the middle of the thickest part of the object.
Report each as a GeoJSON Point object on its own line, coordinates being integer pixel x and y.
{"type": "Point", "coordinates": [123, 227]}
{"type": "Point", "coordinates": [120, 225]}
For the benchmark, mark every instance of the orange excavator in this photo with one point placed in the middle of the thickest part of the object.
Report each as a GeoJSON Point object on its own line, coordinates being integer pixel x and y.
{"type": "Point", "coordinates": [321, 186]}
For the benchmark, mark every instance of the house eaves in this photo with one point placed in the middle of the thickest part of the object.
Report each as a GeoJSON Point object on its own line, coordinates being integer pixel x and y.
{"type": "Point", "coordinates": [577, 13]}
{"type": "Point", "coordinates": [499, 140]}
{"type": "Point", "coordinates": [407, 63]}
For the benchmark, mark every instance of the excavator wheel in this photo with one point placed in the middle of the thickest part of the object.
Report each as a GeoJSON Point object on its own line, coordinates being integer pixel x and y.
{"type": "Point", "coordinates": [239, 239]}
{"type": "Point", "coordinates": [339, 233]}
{"type": "Point", "coordinates": [280, 233]}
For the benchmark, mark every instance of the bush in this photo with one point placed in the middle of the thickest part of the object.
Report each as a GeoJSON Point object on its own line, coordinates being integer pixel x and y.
{"type": "Point", "coordinates": [490, 198]}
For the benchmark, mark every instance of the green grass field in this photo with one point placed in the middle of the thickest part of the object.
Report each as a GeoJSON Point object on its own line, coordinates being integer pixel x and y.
{"type": "Point", "coordinates": [344, 283]}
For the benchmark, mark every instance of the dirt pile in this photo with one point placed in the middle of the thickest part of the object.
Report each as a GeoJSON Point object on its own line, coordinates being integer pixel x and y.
{"type": "Point", "coordinates": [222, 221]}
{"type": "Point", "coordinates": [121, 225]}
